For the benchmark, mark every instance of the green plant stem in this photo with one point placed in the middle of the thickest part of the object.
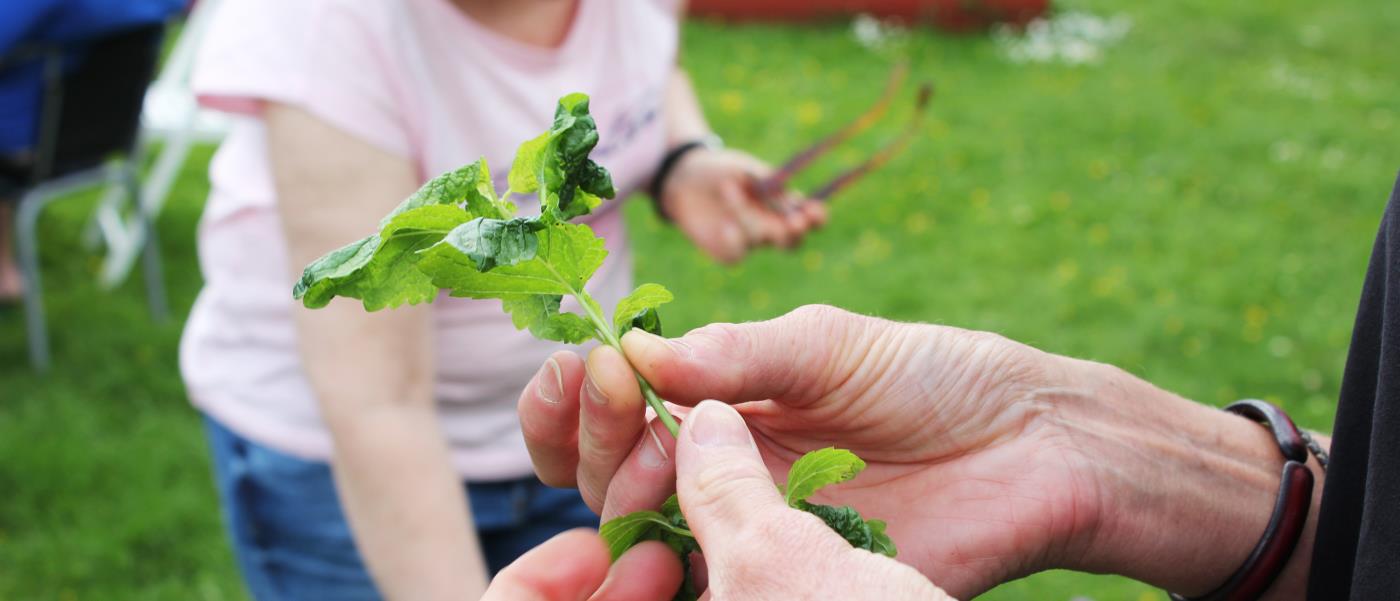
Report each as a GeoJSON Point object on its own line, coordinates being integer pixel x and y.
{"type": "Point", "coordinates": [606, 334]}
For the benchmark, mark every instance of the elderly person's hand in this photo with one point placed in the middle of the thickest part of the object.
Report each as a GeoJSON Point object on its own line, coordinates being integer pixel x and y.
{"type": "Point", "coordinates": [989, 459]}
{"type": "Point", "coordinates": [756, 547]}
{"type": "Point", "coordinates": [711, 195]}
{"type": "Point", "coordinates": [573, 566]}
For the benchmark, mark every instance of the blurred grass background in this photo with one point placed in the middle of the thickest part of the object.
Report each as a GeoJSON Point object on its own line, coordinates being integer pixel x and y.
{"type": "Point", "coordinates": [1197, 208]}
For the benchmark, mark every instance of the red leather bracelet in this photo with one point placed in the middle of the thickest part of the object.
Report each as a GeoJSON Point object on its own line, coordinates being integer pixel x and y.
{"type": "Point", "coordinates": [1271, 554]}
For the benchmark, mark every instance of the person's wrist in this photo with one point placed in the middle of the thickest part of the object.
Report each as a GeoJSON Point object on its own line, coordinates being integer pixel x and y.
{"type": "Point", "coordinates": [679, 157]}
{"type": "Point", "coordinates": [1185, 490]}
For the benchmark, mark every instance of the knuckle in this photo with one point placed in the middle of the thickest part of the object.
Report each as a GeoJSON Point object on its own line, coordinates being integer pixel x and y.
{"type": "Point", "coordinates": [823, 316]}
{"type": "Point", "coordinates": [721, 337]}
{"type": "Point", "coordinates": [725, 492]}
{"type": "Point", "coordinates": [554, 479]}
{"type": "Point", "coordinates": [588, 488]}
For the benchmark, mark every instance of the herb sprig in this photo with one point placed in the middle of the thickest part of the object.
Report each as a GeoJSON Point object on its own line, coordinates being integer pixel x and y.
{"type": "Point", "coordinates": [456, 234]}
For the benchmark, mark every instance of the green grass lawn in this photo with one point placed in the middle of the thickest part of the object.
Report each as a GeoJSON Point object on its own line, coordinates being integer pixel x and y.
{"type": "Point", "coordinates": [1198, 208]}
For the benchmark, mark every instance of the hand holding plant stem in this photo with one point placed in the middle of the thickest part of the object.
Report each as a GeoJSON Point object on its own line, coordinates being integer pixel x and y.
{"type": "Point", "coordinates": [456, 234]}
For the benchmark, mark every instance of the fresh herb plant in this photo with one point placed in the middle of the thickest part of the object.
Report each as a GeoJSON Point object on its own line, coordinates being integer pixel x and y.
{"type": "Point", "coordinates": [808, 474]}
{"type": "Point", "coordinates": [456, 234]}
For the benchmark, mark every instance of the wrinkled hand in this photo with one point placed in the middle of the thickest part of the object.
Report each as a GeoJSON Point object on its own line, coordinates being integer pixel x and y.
{"type": "Point", "coordinates": [968, 460]}
{"type": "Point", "coordinates": [756, 547]}
{"type": "Point", "coordinates": [710, 196]}
{"type": "Point", "coordinates": [573, 566]}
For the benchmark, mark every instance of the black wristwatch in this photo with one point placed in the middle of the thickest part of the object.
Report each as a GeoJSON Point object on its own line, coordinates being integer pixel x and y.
{"type": "Point", "coordinates": [669, 162]}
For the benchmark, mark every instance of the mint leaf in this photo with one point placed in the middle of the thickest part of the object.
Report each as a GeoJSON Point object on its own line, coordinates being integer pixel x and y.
{"type": "Point", "coordinates": [622, 533]}
{"type": "Point", "coordinates": [556, 164]}
{"type": "Point", "coordinates": [638, 309]}
{"type": "Point", "coordinates": [493, 242]}
{"type": "Point", "coordinates": [323, 276]}
{"type": "Point", "coordinates": [845, 521]}
{"type": "Point", "coordinates": [469, 183]}
{"type": "Point", "coordinates": [818, 469]}
{"type": "Point", "coordinates": [566, 256]}
{"type": "Point", "coordinates": [540, 314]}
{"type": "Point", "coordinates": [525, 170]}
{"type": "Point", "coordinates": [378, 269]}
{"type": "Point", "coordinates": [880, 542]}
{"type": "Point", "coordinates": [481, 194]}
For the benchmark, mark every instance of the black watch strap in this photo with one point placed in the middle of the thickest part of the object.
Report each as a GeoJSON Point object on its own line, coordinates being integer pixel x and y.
{"type": "Point", "coordinates": [668, 164]}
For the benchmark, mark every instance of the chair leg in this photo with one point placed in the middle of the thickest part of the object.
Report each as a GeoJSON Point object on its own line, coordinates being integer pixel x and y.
{"type": "Point", "coordinates": [150, 251]}
{"type": "Point", "coordinates": [26, 239]}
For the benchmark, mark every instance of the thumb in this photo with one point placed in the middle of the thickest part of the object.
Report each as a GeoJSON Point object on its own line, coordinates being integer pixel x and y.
{"type": "Point", "coordinates": [723, 486]}
{"type": "Point", "coordinates": [797, 358]}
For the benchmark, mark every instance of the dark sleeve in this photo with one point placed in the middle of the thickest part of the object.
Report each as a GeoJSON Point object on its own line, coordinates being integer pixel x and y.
{"type": "Point", "coordinates": [1357, 553]}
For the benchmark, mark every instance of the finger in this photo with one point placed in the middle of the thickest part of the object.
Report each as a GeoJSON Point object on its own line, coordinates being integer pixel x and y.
{"type": "Point", "coordinates": [726, 492]}
{"type": "Point", "coordinates": [647, 572]}
{"type": "Point", "coordinates": [611, 417]}
{"type": "Point", "coordinates": [715, 231]}
{"type": "Point", "coordinates": [646, 478]}
{"type": "Point", "coordinates": [816, 212]}
{"type": "Point", "coordinates": [549, 417]}
{"type": "Point", "coordinates": [796, 219]}
{"type": "Point", "coordinates": [794, 359]}
{"type": "Point", "coordinates": [761, 226]}
{"type": "Point", "coordinates": [568, 567]}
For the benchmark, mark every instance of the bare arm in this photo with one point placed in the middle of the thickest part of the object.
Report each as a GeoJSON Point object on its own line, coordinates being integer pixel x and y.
{"type": "Point", "coordinates": [373, 372]}
{"type": "Point", "coordinates": [685, 120]}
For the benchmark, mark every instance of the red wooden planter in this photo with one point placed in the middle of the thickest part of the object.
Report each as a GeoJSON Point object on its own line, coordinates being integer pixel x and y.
{"type": "Point", "coordinates": [953, 15]}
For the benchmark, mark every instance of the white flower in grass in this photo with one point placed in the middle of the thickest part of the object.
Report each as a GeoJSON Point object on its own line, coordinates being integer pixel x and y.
{"type": "Point", "coordinates": [1073, 38]}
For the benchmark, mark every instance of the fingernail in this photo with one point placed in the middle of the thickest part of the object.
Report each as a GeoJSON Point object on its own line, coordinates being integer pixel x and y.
{"type": "Point", "coordinates": [591, 390]}
{"type": "Point", "coordinates": [549, 383]}
{"type": "Point", "coordinates": [651, 454]}
{"type": "Point", "coordinates": [714, 424]}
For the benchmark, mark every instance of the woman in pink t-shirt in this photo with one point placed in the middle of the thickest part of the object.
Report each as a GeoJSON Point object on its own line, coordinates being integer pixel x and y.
{"type": "Point", "coordinates": [346, 107]}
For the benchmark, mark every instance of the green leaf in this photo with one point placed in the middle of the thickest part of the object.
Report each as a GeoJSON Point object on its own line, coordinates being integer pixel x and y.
{"type": "Point", "coordinates": [638, 309]}
{"type": "Point", "coordinates": [525, 170]}
{"type": "Point", "coordinates": [379, 269]}
{"type": "Point", "coordinates": [469, 183]}
{"type": "Point", "coordinates": [556, 164]}
{"type": "Point", "coordinates": [481, 195]}
{"type": "Point", "coordinates": [540, 314]}
{"type": "Point", "coordinates": [818, 469]}
{"type": "Point", "coordinates": [320, 280]}
{"type": "Point", "coordinates": [494, 242]}
{"type": "Point", "coordinates": [880, 542]}
{"type": "Point", "coordinates": [566, 256]}
{"type": "Point", "coordinates": [845, 521]}
{"type": "Point", "coordinates": [621, 533]}
{"type": "Point", "coordinates": [672, 509]}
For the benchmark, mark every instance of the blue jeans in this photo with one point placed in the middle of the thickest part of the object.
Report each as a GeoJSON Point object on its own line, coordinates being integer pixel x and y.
{"type": "Point", "coordinates": [292, 542]}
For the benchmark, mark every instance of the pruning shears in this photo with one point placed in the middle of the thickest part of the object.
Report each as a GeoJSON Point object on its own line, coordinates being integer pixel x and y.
{"type": "Point", "coordinates": [771, 188]}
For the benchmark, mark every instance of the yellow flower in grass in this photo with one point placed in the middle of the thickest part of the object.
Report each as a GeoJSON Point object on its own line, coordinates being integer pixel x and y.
{"type": "Point", "coordinates": [760, 299]}
{"type": "Point", "coordinates": [731, 101]}
{"type": "Point", "coordinates": [1098, 234]}
{"type": "Point", "coordinates": [809, 113]}
{"type": "Point", "coordinates": [981, 198]}
{"type": "Point", "coordinates": [917, 223]}
{"type": "Point", "coordinates": [1066, 271]}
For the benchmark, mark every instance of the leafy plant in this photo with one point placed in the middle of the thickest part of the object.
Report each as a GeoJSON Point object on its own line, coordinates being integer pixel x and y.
{"type": "Point", "coordinates": [810, 473]}
{"type": "Point", "coordinates": [456, 234]}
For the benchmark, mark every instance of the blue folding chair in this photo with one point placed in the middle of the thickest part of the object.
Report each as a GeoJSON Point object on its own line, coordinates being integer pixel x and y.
{"type": "Point", "coordinates": [88, 133]}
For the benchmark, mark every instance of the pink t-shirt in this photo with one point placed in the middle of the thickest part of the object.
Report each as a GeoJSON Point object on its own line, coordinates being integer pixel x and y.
{"type": "Point", "coordinates": [419, 79]}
